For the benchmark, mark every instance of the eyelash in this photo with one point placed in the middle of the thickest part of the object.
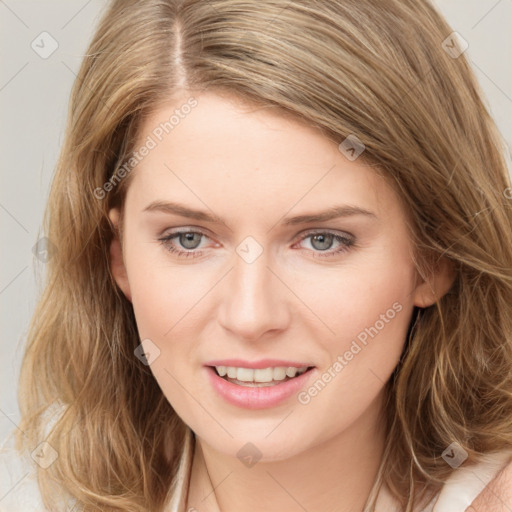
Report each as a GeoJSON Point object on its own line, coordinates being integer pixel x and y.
{"type": "Point", "coordinates": [345, 241]}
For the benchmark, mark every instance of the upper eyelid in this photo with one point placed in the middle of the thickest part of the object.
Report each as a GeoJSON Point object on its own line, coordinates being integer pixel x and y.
{"type": "Point", "coordinates": [313, 231]}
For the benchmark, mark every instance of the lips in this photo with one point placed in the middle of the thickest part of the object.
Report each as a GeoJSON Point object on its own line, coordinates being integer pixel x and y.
{"type": "Point", "coordinates": [252, 394]}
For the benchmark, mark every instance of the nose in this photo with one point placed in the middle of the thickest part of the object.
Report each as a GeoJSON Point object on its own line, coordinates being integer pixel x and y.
{"type": "Point", "coordinates": [255, 302]}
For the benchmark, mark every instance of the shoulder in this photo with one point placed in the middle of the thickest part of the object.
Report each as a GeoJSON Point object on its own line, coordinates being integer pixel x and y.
{"type": "Point", "coordinates": [497, 495]}
{"type": "Point", "coordinates": [482, 487]}
{"type": "Point", "coordinates": [18, 483]}
{"type": "Point", "coordinates": [467, 483]}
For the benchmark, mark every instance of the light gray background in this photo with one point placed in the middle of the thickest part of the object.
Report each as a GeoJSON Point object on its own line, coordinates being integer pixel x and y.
{"type": "Point", "coordinates": [34, 94]}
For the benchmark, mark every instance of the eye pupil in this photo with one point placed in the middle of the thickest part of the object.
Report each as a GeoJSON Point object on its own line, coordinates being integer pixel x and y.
{"type": "Point", "coordinates": [325, 241]}
{"type": "Point", "coordinates": [188, 242]}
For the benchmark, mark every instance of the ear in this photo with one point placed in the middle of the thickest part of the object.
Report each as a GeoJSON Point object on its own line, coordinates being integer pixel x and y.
{"type": "Point", "coordinates": [434, 286]}
{"type": "Point", "coordinates": [117, 266]}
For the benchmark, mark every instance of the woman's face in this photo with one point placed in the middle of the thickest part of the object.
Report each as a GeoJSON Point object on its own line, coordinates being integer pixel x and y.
{"type": "Point", "coordinates": [297, 256]}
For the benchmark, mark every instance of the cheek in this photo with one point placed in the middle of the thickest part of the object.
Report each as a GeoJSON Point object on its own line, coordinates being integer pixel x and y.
{"type": "Point", "coordinates": [378, 297]}
{"type": "Point", "coordinates": [164, 296]}
{"type": "Point", "coordinates": [368, 297]}
{"type": "Point", "coordinates": [369, 309]}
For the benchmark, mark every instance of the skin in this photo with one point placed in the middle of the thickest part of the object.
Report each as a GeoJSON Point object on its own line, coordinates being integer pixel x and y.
{"type": "Point", "coordinates": [497, 496]}
{"type": "Point", "coordinates": [253, 168]}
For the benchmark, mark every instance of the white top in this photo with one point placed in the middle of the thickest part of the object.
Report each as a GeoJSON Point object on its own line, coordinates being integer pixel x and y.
{"type": "Point", "coordinates": [19, 491]}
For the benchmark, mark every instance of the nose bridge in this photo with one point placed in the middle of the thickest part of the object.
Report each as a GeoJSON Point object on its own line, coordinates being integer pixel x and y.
{"type": "Point", "coordinates": [252, 300]}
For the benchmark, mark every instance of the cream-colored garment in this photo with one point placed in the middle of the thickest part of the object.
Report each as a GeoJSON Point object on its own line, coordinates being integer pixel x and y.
{"type": "Point", "coordinates": [461, 489]}
{"type": "Point", "coordinates": [19, 491]}
{"type": "Point", "coordinates": [457, 494]}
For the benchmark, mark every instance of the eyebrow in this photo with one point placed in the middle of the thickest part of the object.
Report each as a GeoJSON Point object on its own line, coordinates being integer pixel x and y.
{"type": "Point", "coordinates": [322, 216]}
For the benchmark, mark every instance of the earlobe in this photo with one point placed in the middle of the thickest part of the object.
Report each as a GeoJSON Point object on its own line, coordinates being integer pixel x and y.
{"type": "Point", "coordinates": [436, 285]}
{"type": "Point", "coordinates": [117, 266]}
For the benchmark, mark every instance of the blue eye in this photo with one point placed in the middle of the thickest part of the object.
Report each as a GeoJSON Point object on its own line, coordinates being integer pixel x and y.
{"type": "Point", "coordinates": [188, 239]}
{"type": "Point", "coordinates": [321, 243]}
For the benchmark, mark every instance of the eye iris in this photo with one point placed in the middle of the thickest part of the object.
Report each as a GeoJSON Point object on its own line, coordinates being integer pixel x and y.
{"type": "Point", "coordinates": [187, 240]}
{"type": "Point", "coordinates": [325, 241]}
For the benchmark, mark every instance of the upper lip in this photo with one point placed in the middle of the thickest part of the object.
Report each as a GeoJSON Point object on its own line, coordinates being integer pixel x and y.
{"type": "Point", "coordinates": [262, 363]}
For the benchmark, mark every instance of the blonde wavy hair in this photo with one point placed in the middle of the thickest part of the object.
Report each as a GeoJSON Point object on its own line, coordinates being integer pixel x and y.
{"type": "Point", "coordinates": [378, 70]}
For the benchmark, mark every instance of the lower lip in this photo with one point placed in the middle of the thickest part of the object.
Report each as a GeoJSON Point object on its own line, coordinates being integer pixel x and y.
{"type": "Point", "coordinates": [257, 397]}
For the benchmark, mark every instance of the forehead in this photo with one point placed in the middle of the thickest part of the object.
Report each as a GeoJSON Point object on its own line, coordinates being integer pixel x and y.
{"type": "Point", "coordinates": [248, 157]}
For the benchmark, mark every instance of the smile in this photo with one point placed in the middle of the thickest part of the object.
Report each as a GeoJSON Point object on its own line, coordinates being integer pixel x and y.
{"type": "Point", "coordinates": [260, 388]}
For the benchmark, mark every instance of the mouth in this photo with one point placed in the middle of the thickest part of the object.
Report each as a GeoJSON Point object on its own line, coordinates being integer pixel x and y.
{"type": "Point", "coordinates": [260, 377]}
{"type": "Point", "coordinates": [261, 384]}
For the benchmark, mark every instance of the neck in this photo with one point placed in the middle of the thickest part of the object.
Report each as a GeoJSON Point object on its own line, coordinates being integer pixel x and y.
{"type": "Point", "coordinates": [335, 475]}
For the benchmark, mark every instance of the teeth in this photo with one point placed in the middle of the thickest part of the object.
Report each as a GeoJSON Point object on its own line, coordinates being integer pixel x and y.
{"type": "Point", "coordinates": [260, 375]}
{"type": "Point", "coordinates": [221, 370]}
